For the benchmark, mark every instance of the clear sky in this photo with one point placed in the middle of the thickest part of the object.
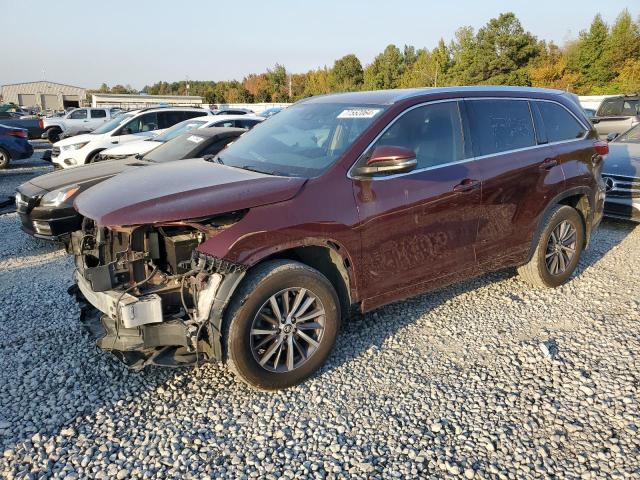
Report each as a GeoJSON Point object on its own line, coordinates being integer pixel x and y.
{"type": "Point", "coordinates": [87, 42]}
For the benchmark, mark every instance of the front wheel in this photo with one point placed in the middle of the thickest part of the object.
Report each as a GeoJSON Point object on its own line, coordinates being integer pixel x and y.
{"type": "Point", "coordinates": [281, 325]}
{"type": "Point", "coordinates": [5, 158]}
{"type": "Point", "coordinates": [558, 250]}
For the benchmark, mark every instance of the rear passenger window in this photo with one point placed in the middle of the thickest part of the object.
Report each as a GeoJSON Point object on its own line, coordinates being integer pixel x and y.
{"type": "Point", "coordinates": [187, 115]}
{"type": "Point", "coordinates": [433, 132]}
{"type": "Point", "coordinates": [500, 125]}
{"type": "Point", "coordinates": [610, 107]}
{"type": "Point", "coordinates": [169, 119]}
{"type": "Point", "coordinates": [98, 114]}
{"type": "Point", "coordinates": [559, 123]}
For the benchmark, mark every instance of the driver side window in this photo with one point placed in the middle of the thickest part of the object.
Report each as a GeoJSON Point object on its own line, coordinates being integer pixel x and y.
{"type": "Point", "coordinates": [78, 115]}
{"type": "Point", "coordinates": [433, 132]}
{"type": "Point", "coordinates": [144, 123]}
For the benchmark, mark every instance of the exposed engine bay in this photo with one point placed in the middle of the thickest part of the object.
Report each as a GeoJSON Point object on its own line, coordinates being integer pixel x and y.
{"type": "Point", "coordinates": [148, 295]}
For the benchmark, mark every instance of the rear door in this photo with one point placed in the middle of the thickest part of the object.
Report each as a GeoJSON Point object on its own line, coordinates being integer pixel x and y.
{"type": "Point", "coordinates": [572, 148]}
{"type": "Point", "coordinates": [418, 229]}
{"type": "Point", "coordinates": [519, 174]}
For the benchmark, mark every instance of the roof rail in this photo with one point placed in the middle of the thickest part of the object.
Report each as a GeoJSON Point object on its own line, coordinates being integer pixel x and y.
{"type": "Point", "coordinates": [168, 106]}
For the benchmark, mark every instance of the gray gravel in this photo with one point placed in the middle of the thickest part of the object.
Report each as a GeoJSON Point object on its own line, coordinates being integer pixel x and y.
{"type": "Point", "coordinates": [487, 379]}
{"type": "Point", "coordinates": [20, 171]}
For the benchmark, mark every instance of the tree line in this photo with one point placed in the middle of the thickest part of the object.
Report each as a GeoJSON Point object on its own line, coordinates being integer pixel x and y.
{"type": "Point", "coordinates": [603, 59]}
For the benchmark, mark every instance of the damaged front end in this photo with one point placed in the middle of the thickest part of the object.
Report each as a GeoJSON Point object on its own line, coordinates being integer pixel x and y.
{"type": "Point", "coordinates": [148, 295]}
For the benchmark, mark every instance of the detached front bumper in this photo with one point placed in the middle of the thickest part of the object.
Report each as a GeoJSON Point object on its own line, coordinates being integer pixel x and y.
{"type": "Point", "coordinates": [139, 332]}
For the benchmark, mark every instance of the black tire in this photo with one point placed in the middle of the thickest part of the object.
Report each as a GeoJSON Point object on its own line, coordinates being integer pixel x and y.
{"type": "Point", "coordinates": [5, 158]}
{"type": "Point", "coordinates": [53, 134]}
{"type": "Point", "coordinates": [273, 278]}
{"type": "Point", "coordinates": [537, 271]}
{"type": "Point", "coordinates": [92, 157]}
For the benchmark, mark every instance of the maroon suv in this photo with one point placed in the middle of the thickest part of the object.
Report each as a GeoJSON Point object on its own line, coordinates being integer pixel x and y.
{"type": "Point", "coordinates": [341, 201]}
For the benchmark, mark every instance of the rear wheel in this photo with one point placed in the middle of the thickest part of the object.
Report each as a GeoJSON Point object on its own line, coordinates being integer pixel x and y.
{"type": "Point", "coordinates": [5, 158]}
{"type": "Point", "coordinates": [53, 134]}
{"type": "Point", "coordinates": [281, 325]}
{"type": "Point", "coordinates": [558, 250]}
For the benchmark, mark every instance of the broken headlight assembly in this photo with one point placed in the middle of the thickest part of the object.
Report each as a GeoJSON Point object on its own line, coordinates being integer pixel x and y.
{"type": "Point", "coordinates": [154, 291]}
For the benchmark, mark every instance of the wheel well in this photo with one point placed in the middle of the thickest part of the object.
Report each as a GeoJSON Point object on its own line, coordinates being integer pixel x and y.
{"type": "Point", "coordinates": [327, 261]}
{"type": "Point", "coordinates": [96, 151]}
{"type": "Point", "coordinates": [581, 203]}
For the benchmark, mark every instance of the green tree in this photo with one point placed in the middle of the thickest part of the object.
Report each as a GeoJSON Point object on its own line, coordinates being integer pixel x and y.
{"type": "Point", "coordinates": [386, 70]}
{"type": "Point", "coordinates": [347, 74]}
{"type": "Point", "coordinates": [441, 57]}
{"type": "Point", "coordinates": [317, 82]}
{"type": "Point", "coordinates": [622, 44]}
{"type": "Point", "coordinates": [278, 84]}
{"type": "Point", "coordinates": [463, 49]}
{"type": "Point", "coordinates": [423, 72]}
{"type": "Point", "coordinates": [587, 57]}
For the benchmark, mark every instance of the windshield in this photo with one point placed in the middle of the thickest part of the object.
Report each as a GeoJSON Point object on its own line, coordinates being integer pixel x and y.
{"type": "Point", "coordinates": [113, 123]}
{"type": "Point", "coordinates": [303, 140]}
{"type": "Point", "coordinates": [179, 129]}
{"type": "Point", "coordinates": [630, 136]}
{"type": "Point", "coordinates": [177, 149]}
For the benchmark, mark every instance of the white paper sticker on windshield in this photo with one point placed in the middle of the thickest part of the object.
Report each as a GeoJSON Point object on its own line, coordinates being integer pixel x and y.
{"type": "Point", "coordinates": [195, 139]}
{"type": "Point", "coordinates": [359, 113]}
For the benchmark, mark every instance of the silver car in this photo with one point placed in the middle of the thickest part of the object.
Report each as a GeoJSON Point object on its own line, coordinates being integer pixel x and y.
{"type": "Point", "coordinates": [621, 175]}
{"type": "Point", "coordinates": [616, 115]}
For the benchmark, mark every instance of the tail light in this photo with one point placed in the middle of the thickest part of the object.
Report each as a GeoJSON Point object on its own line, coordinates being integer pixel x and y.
{"type": "Point", "coordinates": [41, 124]}
{"type": "Point", "coordinates": [17, 133]}
{"type": "Point", "coordinates": [601, 147]}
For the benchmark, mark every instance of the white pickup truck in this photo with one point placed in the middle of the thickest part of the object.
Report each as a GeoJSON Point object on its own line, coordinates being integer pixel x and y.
{"type": "Point", "coordinates": [79, 120]}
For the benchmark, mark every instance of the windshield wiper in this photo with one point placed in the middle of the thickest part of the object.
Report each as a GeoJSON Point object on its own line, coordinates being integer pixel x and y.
{"type": "Point", "coordinates": [213, 158]}
{"type": "Point", "coordinates": [257, 170]}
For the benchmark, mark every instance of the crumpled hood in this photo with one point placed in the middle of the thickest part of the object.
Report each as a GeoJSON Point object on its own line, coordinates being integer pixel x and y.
{"type": "Point", "coordinates": [180, 191]}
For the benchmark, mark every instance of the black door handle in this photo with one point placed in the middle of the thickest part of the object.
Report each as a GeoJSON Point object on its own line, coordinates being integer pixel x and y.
{"type": "Point", "coordinates": [549, 163]}
{"type": "Point", "coordinates": [466, 185]}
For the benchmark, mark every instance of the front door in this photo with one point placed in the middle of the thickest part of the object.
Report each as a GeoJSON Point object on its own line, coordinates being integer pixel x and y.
{"type": "Point", "coordinates": [418, 229]}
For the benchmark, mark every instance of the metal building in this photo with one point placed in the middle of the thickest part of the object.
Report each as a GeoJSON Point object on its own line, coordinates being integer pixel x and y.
{"type": "Point", "coordinates": [131, 102]}
{"type": "Point", "coordinates": [43, 94]}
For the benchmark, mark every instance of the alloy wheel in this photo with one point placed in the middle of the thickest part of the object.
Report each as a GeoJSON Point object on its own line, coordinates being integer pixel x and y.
{"type": "Point", "coordinates": [287, 330]}
{"type": "Point", "coordinates": [561, 248]}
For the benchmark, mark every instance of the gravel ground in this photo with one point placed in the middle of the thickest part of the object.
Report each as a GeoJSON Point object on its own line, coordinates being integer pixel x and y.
{"type": "Point", "coordinates": [20, 171]}
{"type": "Point", "coordinates": [487, 379]}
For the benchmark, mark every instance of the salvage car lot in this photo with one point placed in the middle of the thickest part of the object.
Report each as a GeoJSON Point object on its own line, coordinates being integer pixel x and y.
{"type": "Point", "coordinates": [489, 377]}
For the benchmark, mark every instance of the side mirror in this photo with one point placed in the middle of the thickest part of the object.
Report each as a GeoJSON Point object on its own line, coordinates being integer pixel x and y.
{"type": "Point", "coordinates": [388, 159]}
{"type": "Point", "coordinates": [612, 136]}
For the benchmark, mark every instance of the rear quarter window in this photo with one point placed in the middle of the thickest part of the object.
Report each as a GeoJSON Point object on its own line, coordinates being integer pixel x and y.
{"type": "Point", "coordinates": [500, 125]}
{"type": "Point", "coordinates": [559, 123]}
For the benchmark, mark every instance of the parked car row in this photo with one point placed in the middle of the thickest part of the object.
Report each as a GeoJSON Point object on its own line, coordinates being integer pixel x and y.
{"type": "Point", "coordinates": [45, 203]}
